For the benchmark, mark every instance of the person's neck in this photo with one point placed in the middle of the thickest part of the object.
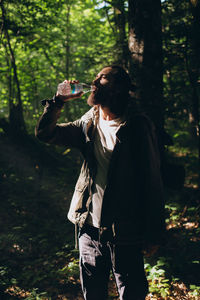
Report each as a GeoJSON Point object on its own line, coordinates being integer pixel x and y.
{"type": "Point", "coordinates": [107, 114]}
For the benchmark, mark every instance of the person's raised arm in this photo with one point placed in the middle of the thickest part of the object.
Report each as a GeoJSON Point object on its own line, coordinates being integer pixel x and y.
{"type": "Point", "coordinates": [47, 129]}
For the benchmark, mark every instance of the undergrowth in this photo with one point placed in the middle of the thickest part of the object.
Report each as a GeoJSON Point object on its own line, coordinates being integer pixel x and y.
{"type": "Point", "coordinates": [37, 256]}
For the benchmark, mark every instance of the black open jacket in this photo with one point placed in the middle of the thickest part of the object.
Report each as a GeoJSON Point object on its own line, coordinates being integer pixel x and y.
{"type": "Point", "coordinates": [133, 203]}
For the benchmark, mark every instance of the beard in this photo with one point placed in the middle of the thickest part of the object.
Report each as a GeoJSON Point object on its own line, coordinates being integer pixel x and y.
{"type": "Point", "coordinates": [100, 96]}
{"type": "Point", "coordinates": [115, 100]}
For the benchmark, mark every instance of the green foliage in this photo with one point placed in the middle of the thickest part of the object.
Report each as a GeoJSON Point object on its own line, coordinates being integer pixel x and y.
{"type": "Point", "coordinates": [71, 270]}
{"type": "Point", "coordinates": [44, 40]}
{"type": "Point", "coordinates": [179, 257]}
{"type": "Point", "coordinates": [156, 275]}
{"type": "Point", "coordinates": [36, 295]}
{"type": "Point", "coordinates": [195, 290]}
{"type": "Point", "coordinates": [178, 57]}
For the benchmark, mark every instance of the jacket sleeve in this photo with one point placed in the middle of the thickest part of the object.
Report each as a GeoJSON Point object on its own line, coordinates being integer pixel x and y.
{"type": "Point", "coordinates": [67, 134]}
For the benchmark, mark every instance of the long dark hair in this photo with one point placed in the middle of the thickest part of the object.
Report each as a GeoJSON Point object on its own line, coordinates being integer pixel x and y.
{"type": "Point", "coordinates": [118, 103]}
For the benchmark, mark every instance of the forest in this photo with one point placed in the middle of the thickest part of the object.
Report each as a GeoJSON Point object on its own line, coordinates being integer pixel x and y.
{"type": "Point", "coordinates": [44, 42]}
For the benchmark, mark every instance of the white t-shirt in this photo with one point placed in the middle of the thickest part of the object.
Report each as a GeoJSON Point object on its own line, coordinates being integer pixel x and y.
{"type": "Point", "coordinates": [105, 140]}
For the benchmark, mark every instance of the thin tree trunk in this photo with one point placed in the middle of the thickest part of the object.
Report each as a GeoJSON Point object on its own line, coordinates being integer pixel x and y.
{"type": "Point", "coordinates": [67, 57]}
{"type": "Point", "coordinates": [193, 69]}
{"type": "Point", "coordinates": [16, 110]}
{"type": "Point", "coordinates": [67, 42]}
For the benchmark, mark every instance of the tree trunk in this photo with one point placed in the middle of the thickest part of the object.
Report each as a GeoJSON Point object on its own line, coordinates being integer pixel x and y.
{"type": "Point", "coordinates": [67, 42]}
{"type": "Point", "coordinates": [146, 68]}
{"type": "Point", "coordinates": [16, 118]}
{"type": "Point", "coordinates": [67, 57]}
{"type": "Point", "coordinates": [123, 54]}
{"type": "Point", "coordinates": [193, 68]}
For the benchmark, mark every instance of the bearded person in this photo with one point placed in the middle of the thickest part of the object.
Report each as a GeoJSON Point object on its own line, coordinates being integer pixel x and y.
{"type": "Point", "coordinates": [118, 199]}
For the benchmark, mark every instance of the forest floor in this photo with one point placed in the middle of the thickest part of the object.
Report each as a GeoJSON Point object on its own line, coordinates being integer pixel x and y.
{"type": "Point", "coordinates": [37, 256]}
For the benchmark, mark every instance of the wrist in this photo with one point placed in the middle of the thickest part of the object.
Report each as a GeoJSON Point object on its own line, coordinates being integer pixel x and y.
{"type": "Point", "coordinates": [56, 101]}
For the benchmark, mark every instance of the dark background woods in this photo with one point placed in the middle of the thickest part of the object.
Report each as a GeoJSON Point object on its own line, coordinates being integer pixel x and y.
{"type": "Point", "coordinates": [44, 42]}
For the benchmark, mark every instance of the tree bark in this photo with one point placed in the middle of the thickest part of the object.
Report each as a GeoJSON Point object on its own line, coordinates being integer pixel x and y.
{"type": "Point", "coordinates": [123, 54]}
{"type": "Point", "coordinates": [146, 68]}
{"type": "Point", "coordinates": [16, 118]}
